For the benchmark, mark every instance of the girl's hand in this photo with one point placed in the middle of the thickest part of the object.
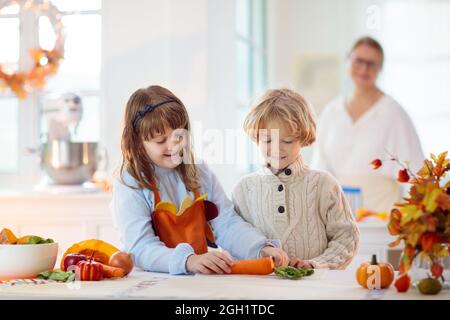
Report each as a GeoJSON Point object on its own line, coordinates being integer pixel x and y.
{"type": "Point", "coordinates": [280, 257]}
{"type": "Point", "coordinates": [213, 262]}
{"type": "Point", "coordinates": [298, 263]}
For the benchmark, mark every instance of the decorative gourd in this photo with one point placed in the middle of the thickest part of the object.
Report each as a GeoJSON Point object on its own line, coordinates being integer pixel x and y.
{"type": "Point", "coordinates": [100, 249]}
{"type": "Point", "coordinates": [89, 270]}
{"type": "Point", "coordinates": [386, 273]}
{"type": "Point", "coordinates": [122, 260]}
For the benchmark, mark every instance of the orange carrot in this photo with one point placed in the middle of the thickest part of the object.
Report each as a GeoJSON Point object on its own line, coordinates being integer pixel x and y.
{"type": "Point", "coordinates": [112, 272]}
{"type": "Point", "coordinates": [262, 266]}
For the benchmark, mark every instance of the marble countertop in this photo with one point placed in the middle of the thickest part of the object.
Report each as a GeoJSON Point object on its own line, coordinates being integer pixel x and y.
{"type": "Point", "coordinates": [324, 284]}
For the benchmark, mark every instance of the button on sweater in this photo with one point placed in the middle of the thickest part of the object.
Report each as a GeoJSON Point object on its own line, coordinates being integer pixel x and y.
{"type": "Point", "coordinates": [310, 213]}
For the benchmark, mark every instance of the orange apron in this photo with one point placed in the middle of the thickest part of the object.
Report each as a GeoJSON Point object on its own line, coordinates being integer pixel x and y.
{"type": "Point", "coordinates": [191, 226]}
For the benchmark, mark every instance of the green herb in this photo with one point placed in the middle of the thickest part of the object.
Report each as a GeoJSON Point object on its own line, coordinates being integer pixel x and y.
{"type": "Point", "coordinates": [293, 273]}
{"type": "Point", "coordinates": [57, 275]}
{"type": "Point", "coordinates": [35, 240]}
{"type": "Point", "coordinates": [39, 240]}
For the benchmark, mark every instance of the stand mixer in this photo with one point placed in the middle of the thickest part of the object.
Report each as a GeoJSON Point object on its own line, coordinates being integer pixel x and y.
{"type": "Point", "coordinates": [68, 165]}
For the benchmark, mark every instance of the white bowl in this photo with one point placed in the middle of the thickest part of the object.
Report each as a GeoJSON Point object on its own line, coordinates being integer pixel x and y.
{"type": "Point", "coordinates": [20, 261]}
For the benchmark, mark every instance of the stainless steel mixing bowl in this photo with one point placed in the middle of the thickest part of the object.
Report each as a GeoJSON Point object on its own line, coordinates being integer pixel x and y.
{"type": "Point", "coordinates": [69, 163]}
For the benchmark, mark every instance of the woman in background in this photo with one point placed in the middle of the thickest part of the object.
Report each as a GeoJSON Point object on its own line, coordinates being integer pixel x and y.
{"type": "Point", "coordinates": [368, 124]}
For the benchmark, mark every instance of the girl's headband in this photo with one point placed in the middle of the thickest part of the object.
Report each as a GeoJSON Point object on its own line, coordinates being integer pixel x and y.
{"type": "Point", "coordinates": [149, 108]}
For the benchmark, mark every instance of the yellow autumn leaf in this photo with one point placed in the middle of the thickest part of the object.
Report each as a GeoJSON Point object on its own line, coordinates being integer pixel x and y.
{"type": "Point", "coordinates": [443, 252]}
{"type": "Point", "coordinates": [412, 239]}
{"type": "Point", "coordinates": [410, 213]}
{"type": "Point", "coordinates": [431, 195]}
{"type": "Point", "coordinates": [432, 156]}
{"type": "Point", "coordinates": [436, 249]}
{"type": "Point", "coordinates": [427, 169]}
{"type": "Point", "coordinates": [424, 256]}
{"type": "Point", "coordinates": [418, 228]}
{"type": "Point", "coordinates": [442, 161]}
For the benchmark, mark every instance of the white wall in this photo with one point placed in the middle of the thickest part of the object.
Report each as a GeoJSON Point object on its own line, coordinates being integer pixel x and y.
{"type": "Point", "coordinates": [187, 46]}
{"type": "Point", "coordinates": [299, 29]}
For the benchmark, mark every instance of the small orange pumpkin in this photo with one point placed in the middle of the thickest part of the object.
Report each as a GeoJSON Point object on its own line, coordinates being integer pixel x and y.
{"type": "Point", "coordinates": [386, 273]}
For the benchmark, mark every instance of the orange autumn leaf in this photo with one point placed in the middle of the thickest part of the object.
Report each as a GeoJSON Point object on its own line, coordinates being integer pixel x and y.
{"type": "Point", "coordinates": [426, 170]}
{"type": "Point", "coordinates": [410, 250]}
{"type": "Point", "coordinates": [395, 243]}
{"type": "Point", "coordinates": [417, 193]}
{"type": "Point", "coordinates": [441, 163]}
{"type": "Point", "coordinates": [394, 222]}
{"type": "Point", "coordinates": [431, 223]}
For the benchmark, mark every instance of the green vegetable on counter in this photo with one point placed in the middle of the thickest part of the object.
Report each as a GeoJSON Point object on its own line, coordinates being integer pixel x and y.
{"type": "Point", "coordinates": [39, 240]}
{"type": "Point", "coordinates": [293, 273]}
{"type": "Point", "coordinates": [57, 275]}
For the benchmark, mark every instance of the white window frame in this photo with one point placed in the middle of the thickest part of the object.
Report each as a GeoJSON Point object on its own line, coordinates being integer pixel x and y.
{"type": "Point", "coordinates": [28, 170]}
{"type": "Point", "coordinates": [263, 51]}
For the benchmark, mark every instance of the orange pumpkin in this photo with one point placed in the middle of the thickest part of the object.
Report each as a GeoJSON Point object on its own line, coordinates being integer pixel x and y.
{"type": "Point", "coordinates": [100, 250]}
{"type": "Point", "coordinates": [386, 273]}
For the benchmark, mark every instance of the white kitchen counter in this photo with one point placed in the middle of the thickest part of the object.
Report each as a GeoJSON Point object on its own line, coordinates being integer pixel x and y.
{"type": "Point", "coordinates": [66, 218]}
{"type": "Point", "coordinates": [70, 218]}
{"type": "Point", "coordinates": [325, 284]}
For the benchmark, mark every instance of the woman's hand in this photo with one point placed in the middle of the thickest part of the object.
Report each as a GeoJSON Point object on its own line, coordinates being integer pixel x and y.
{"type": "Point", "coordinates": [280, 257]}
{"type": "Point", "coordinates": [213, 262]}
{"type": "Point", "coordinates": [298, 263]}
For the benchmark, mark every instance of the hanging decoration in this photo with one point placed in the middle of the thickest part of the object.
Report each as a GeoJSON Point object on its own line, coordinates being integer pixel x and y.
{"type": "Point", "coordinates": [44, 62]}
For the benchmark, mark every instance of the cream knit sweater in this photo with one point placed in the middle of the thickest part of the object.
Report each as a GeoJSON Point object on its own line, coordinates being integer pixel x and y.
{"type": "Point", "coordinates": [305, 209]}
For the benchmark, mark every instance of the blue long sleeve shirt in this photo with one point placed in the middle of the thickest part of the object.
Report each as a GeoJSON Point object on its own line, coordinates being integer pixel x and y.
{"type": "Point", "coordinates": [131, 209]}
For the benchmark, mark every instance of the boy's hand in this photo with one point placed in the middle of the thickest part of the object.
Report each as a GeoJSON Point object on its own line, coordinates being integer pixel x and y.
{"type": "Point", "coordinates": [298, 263]}
{"type": "Point", "coordinates": [280, 257]}
{"type": "Point", "coordinates": [213, 262]}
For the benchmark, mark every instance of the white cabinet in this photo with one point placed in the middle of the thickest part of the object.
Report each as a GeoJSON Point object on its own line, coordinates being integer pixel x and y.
{"type": "Point", "coordinates": [71, 218]}
{"type": "Point", "coordinates": [65, 218]}
{"type": "Point", "coordinates": [374, 239]}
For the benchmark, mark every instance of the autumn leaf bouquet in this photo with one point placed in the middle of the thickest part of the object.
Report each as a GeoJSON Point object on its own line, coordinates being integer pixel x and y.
{"type": "Point", "coordinates": [422, 220]}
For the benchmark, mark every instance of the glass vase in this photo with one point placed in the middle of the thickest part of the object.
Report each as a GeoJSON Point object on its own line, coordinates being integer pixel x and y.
{"type": "Point", "coordinates": [420, 269]}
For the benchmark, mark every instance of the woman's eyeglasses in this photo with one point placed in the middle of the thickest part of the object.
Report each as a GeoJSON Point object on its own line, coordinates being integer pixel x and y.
{"type": "Point", "coordinates": [359, 62]}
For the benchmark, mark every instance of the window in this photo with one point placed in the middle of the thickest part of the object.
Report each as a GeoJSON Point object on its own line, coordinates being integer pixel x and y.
{"type": "Point", "coordinates": [21, 122]}
{"type": "Point", "coordinates": [251, 57]}
{"type": "Point", "coordinates": [417, 73]}
{"type": "Point", "coordinates": [9, 106]}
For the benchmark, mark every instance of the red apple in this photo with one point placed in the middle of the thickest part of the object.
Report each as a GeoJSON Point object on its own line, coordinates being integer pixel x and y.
{"type": "Point", "coordinates": [72, 260]}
